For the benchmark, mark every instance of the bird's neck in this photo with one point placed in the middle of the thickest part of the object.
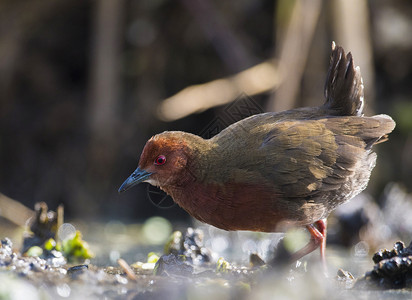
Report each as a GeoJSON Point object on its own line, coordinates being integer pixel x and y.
{"type": "Point", "coordinates": [202, 159]}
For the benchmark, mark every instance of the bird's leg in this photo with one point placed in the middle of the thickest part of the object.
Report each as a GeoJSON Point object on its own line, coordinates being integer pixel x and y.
{"type": "Point", "coordinates": [322, 224]}
{"type": "Point", "coordinates": [317, 238]}
{"type": "Point", "coordinates": [317, 232]}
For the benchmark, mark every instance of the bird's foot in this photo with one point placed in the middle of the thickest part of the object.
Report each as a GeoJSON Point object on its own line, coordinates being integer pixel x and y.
{"type": "Point", "coordinates": [318, 239]}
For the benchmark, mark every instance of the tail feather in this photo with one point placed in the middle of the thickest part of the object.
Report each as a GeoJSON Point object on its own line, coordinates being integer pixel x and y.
{"type": "Point", "coordinates": [386, 126]}
{"type": "Point", "coordinates": [344, 85]}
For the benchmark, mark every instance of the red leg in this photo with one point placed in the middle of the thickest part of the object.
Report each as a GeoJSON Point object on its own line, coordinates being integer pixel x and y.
{"type": "Point", "coordinates": [322, 224]}
{"type": "Point", "coordinates": [318, 239]}
{"type": "Point", "coordinates": [317, 232]}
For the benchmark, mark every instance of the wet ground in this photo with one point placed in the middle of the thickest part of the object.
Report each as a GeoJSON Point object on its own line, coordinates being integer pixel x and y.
{"type": "Point", "coordinates": [159, 260]}
{"type": "Point", "coordinates": [201, 264]}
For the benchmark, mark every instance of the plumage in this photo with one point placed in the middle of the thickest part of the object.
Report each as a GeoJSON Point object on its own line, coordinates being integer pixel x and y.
{"type": "Point", "coordinates": [276, 169]}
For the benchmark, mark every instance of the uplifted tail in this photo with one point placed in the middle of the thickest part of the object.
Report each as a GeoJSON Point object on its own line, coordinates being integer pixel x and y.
{"type": "Point", "coordinates": [343, 86]}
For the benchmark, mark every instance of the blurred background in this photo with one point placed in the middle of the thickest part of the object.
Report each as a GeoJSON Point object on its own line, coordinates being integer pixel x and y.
{"type": "Point", "coordinates": [84, 84]}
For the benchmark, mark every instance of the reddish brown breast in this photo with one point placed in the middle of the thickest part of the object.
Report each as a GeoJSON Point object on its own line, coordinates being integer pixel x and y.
{"type": "Point", "coordinates": [236, 206]}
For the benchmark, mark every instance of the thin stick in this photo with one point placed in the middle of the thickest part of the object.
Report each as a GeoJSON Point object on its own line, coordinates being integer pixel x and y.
{"type": "Point", "coordinates": [127, 269]}
{"type": "Point", "coordinates": [14, 211]}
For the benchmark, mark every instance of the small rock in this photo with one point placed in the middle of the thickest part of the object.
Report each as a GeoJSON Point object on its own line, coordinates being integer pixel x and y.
{"type": "Point", "coordinates": [172, 265]}
{"type": "Point", "coordinates": [256, 260]}
{"type": "Point", "coordinates": [78, 268]}
{"type": "Point", "coordinates": [393, 268]}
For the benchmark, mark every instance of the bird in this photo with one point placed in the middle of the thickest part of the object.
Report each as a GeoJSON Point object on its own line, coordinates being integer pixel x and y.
{"type": "Point", "coordinates": [275, 170]}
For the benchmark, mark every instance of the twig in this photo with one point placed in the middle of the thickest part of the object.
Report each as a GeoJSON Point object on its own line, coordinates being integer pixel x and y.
{"type": "Point", "coordinates": [127, 269]}
{"type": "Point", "coordinates": [14, 211]}
{"type": "Point", "coordinates": [350, 23]}
{"type": "Point", "coordinates": [104, 79]}
{"type": "Point", "coordinates": [196, 98]}
{"type": "Point", "coordinates": [293, 51]}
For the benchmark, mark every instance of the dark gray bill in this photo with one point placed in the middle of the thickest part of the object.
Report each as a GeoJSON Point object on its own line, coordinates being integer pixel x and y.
{"type": "Point", "coordinates": [137, 177]}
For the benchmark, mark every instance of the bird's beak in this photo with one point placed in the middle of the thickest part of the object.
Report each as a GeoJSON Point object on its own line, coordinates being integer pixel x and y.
{"type": "Point", "coordinates": [137, 177]}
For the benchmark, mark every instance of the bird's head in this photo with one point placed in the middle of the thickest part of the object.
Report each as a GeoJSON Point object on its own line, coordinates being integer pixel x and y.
{"type": "Point", "coordinates": [164, 161]}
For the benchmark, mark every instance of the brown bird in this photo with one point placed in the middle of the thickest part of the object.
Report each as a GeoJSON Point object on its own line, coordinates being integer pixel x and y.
{"type": "Point", "coordinates": [273, 170]}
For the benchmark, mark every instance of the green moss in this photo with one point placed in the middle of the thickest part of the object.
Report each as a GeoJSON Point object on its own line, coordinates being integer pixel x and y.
{"type": "Point", "coordinates": [34, 251]}
{"type": "Point", "coordinates": [174, 243]}
{"type": "Point", "coordinates": [152, 257]}
{"type": "Point", "coordinates": [222, 266]}
{"type": "Point", "coordinates": [50, 244]}
{"type": "Point", "coordinates": [76, 249]}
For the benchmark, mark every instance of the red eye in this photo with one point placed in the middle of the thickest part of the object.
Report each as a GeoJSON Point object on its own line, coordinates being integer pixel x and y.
{"type": "Point", "coordinates": [160, 160]}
